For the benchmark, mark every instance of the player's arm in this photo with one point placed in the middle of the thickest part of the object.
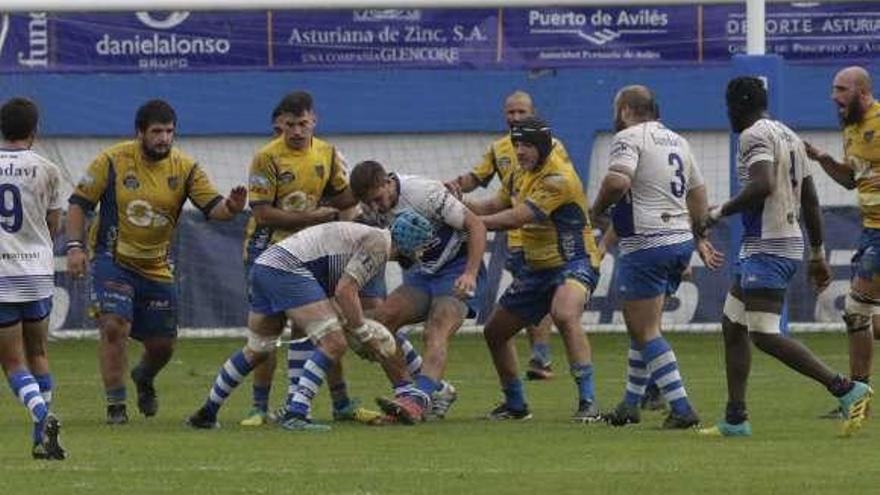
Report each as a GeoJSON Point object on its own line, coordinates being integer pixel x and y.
{"type": "Point", "coordinates": [615, 185]}
{"type": "Point", "coordinates": [623, 160]}
{"type": "Point", "coordinates": [337, 193]}
{"type": "Point", "coordinates": [53, 221]}
{"type": "Point", "coordinates": [486, 206]}
{"type": "Point", "coordinates": [85, 197]}
{"type": "Point", "coordinates": [230, 206]}
{"type": "Point", "coordinates": [841, 173]}
{"type": "Point", "coordinates": [481, 174]}
{"type": "Point", "coordinates": [698, 207]}
{"type": "Point", "coordinates": [761, 184]}
{"type": "Point", "coordinates": [349, 302]}
{"type": "Point", "coordinates": [818, 270]}
{"type": "Point", "coordinates": [476, 246]}
{"type": "Point", "coordinates": [509, 218]}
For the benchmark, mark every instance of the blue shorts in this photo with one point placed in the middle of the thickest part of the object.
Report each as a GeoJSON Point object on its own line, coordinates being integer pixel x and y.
{"type": "Point", "coordinates": [150, 305]}
{"type": "Point", "coordinates": [648, 273]}
{"type": "Point", "coordinates": [274, 291]}
{"type": "Point", "coordinates": [866, 260]}
{"type": "Point", "coordinates": [442, 283]}
{"type": "Point", "coordinates": [766, 271]}
{"type": "Point", "coordinates": [14, 312]}
{"type": "Point", "coordinates": [515, 263]}
{"type": "Point", "coordinates": [531, 295]}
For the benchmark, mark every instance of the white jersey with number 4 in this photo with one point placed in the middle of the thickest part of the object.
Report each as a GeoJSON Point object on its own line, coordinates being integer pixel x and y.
{"type": "Point", "coordinates": [29, 187]}
{"type": "Point", "coordinates": [774, 227]}
{"type": "Point", "coordinates": [662, 170]}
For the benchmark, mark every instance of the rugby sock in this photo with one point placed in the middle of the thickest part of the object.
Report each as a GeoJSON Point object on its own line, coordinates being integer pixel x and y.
{"type": "Point", "coordinates": [26, 389]}
{"type": "Point", "coordinates": [231, 374]}
{"type": "Point", "coordinates": [115, 395]}
{"type": "Point", "coordinates": [514, 395]}
{"type": "Point", "coordinates": [402, 388]}
{"type": "Point", "coordinates": [339, 396]}
{"type": "Point", "coordinates": [583, 378]}
{"type": "Point", "coordinates": [427, 386]}
{"type": "Point", "coordinates": [413, 359]}
{"type": "Point", "coordinates": [261, 397]}
{"type": "Point", "coordinates": [297, 354]}
{"type": "Point", "coordinates": [736, 413]}
{"type": "Point", "coordinates": [664, 372]}
{"type": "Point", "coordinates": [314, 373]}
{"type": "Point", "coordinates": [636, 376]}
{"type": "Point", "coordinates": [46, 385]}
{"type": "Point", "coordinates": [541, 353]}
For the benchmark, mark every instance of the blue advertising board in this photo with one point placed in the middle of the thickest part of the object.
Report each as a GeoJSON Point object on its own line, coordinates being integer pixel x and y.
{"type": "Point", "coordinates": [387, 38]}
{"type": "Point", "coordinates": [585, 36]}
{"type": "Point", "coordinates": [156, 41]}
{"type": "Point", "coordinates": [797, 31]}
{"type": "Point", "coordinates": [25, 41]}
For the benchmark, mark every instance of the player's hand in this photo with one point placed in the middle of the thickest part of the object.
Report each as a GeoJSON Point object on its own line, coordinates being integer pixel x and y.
{"type": "Point", "coordinates": [815, 153]}
{"type": "Point", "coordinates": [712, 258]}
{"type": "Point", "coordinates": [454, 187]}
{"type": "Point", "coordinates": [465, 286]}
{"type": "Point", "coordinates": [819, 273]}
{"type": "Point", "coordinates": [237, 199]}
{"type": "Point", "coordinates": [77, 262]}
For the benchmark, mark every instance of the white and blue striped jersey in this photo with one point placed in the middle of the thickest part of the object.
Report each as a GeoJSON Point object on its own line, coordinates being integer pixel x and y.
{"type": "Point", "coordinates": [432, 200]}
{"type": "Point", "coordinates": [774, 226]}
{"type": "Point", "coordinates": [30, 186]}
{"type": "Point", "coordinates": [662, 171]}
{"type": "Point", "coordinates": [327, 251]}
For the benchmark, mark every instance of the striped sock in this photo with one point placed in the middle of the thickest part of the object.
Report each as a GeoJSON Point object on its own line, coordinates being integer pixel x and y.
{"type": "Point", "coordinates": [664, 372]}
{"type": "Point", "coordinates": [402, 388]}
{"type": "Point", "coordinates": [231, 374]}
{"type": "Point", "coordinates": [583, 378]}
{"type": "Point", "coordinates": [314, 373]}
{"type": "Point", "coordinates": [413, 359]}
{"type": "Point", "coordinates": [514, 395]}
{"type": "Point", "coordinates": [46, 384]}
{"type": "Point", "coordinates": [261, 397]}
{"type": "Point", "coordinates": [26, 389]}
{"type": "Point", "coordinates": [297, 353]}
{"type": "Point", "coordinates": [636, 376]}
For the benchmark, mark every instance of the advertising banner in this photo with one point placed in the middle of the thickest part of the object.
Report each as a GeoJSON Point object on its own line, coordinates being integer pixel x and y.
{"type": "Point", "coordinates": [387, 38]}
{"type": "Point", "coordinates": [25, 42]}
{"type": "Point", "coordinates": [587, 36]}
{"type": "Point", "coordinates": [797, 31]}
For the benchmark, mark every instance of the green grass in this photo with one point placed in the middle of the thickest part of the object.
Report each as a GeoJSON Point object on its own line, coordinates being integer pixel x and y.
{"type": "Point", "coordinates": [791, 451]}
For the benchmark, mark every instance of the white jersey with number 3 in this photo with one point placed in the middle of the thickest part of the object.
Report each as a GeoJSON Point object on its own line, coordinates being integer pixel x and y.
{"type": "Point", "coordinates": [29, 188]}
{"type": "Point", "coordinates": [774, 227]}
{"type": "Point", "coordinates": [662, 170]}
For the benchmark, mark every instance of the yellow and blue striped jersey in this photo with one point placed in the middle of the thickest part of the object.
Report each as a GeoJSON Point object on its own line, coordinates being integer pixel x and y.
{"type": "Point", "coordinates": [500, 159]}
{"type": "Point", "coordinates": [861, 148]}
{"type": "Point", "coordinates": [291, 180]}
{"type": "Point", "coordinates": [561, 230]}
{"type": "Point", "coordinates": [140, 203]}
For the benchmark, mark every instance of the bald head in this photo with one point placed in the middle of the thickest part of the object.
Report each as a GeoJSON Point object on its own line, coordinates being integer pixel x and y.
{"type": "Point", "coordinates": [518, 106]}
{"type": "Point", "coordinates": [633, 105]}
{"type": "Point", "coordinates": [852, 92]}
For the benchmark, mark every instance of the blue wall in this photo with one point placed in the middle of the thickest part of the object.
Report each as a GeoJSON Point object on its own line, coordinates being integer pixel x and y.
{"type": "Point", "coordinates": [576, 101]}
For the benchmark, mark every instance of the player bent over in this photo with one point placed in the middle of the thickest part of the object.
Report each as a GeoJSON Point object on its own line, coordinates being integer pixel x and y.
{"type": "Point", "coordinates": [296, 279]}
{"type": "Point", "coordinates": [777, 187]}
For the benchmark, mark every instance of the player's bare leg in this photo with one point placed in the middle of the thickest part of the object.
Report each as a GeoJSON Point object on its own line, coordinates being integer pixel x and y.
{"type": "Point", "coordinates": [566, 311]}
{"type": "Point", "coordinates": [113, 362]}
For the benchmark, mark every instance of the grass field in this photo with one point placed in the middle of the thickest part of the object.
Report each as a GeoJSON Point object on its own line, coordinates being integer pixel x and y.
{"type": "Point", "coordinates": [791, 451]}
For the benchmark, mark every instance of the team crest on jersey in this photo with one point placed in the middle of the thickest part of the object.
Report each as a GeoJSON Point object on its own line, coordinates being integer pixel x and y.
{"type": "Point", "coordinates": [258, 183]}
{"type": "Point", "coordinates": [87, 180]}
{"type": "Point", "coordinates": [173, 182]}
{"type": "Point", "coordinates": [503, 162]}
{"type": "Point", "coordinates": [319, 169]}
{"type": "Point", "coordinates": [868, 136]}
{"type": "Point", "coordinates": [286, 177]}
{"type": "Point", "coordinates": [131, 182]}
